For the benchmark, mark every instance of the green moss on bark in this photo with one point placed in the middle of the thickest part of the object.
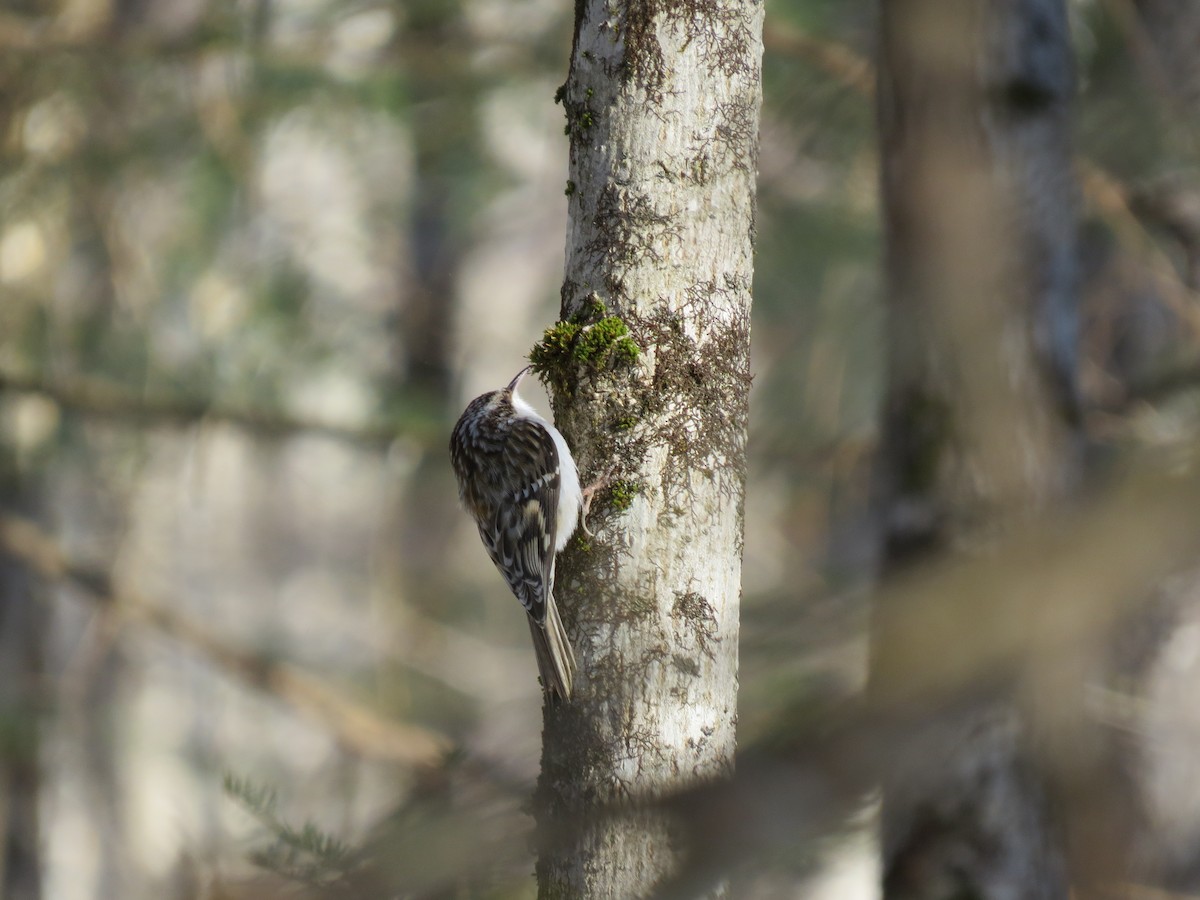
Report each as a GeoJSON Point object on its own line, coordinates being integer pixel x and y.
{"type": "Point", "coordinates": [621, 494]}
{"type": "Point", "coordinates": [589, 342]}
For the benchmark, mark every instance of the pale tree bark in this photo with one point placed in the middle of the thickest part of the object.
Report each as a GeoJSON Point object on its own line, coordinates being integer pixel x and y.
{"type": "Point", "coordinates": [980, 420]}
{"type": "Point", "coordinates": [662, 105]}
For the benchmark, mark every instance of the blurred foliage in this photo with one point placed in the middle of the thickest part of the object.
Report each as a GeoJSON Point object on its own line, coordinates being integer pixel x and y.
{"type": "Point", "coordinates": [305, 854]}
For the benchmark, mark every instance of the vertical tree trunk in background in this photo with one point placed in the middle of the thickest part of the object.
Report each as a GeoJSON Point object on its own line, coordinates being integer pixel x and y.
{"type": "Point", "coordinates": [22, 638]}
{"type": "Point", "coordinates": [446, 148]}
{"type": "Point", "coordinates": [23, 629]}
{"type": "Point", "coordinates": [662, 106]}
{"type": "Point", "coordinates": [978, 426]}
{"type": "Point", "coordinates": [445, 106]}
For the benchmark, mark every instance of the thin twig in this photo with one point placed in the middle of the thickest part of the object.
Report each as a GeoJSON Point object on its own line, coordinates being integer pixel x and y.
{"type": "Point", "coordinates": [101, 400]}
{"type": "Point", "coordinates": [1111, 198]}
{"type": "Point", "coordinates": [1159, 388]}
{"type": "Point", "coordinates": [356, 727]}
{"type": "Point", "coordinates": [834, 58]}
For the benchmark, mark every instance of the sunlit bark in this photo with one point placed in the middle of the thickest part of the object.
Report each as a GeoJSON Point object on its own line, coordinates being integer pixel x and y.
{"type": "Point", "coordinates": [662, 106]}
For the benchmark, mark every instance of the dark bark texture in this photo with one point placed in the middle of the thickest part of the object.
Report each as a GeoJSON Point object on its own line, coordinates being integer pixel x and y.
{"type": "Point", "coordinates": [22, 632]}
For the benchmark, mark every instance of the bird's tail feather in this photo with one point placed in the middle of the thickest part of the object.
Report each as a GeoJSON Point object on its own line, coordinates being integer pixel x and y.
{"type": "Point", "coordinates": [555, 659]}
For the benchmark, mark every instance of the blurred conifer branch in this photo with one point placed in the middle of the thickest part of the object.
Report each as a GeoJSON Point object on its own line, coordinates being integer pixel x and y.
{"type": "Point", "coordinates": [306, 854]}
{"type": "Point", "coordinates": [355, 726]}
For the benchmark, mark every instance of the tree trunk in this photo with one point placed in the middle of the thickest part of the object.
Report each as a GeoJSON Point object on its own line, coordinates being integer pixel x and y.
{"type": "Point", "coordinates": [22, 636]}
{"type": "Point", "coordinates": [979, 422]}
{"type": "Point", "coordinates": [662, 106]}
{"type": "Point", "coordinates": [24, 692]}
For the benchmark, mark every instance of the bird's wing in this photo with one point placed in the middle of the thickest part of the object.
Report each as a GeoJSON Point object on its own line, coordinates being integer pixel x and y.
{"type": "Point", "coordinates": [520, 536]}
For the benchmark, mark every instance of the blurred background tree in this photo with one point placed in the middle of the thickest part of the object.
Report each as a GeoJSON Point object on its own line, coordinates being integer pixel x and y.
{"type": "Point", "coordinates": [980, 423]}
{"type": "Point", "coordinates": [254, 258]}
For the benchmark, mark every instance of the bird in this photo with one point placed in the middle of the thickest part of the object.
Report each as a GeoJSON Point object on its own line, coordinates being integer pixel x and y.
{"type": "Point", "coordinates": [518, 480]}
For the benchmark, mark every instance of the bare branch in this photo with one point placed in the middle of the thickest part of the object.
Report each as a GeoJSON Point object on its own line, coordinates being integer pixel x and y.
{"type": "Point", "coordinates": [836, 59]}
{"type": "Point", "coordinates": [105, 401]}
{"type": "Point", "coordinates": [1114, 201]}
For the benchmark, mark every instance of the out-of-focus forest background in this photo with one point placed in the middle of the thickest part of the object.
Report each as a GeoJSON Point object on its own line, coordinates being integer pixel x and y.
{"type": "Point", "coordinates": [255, 257]}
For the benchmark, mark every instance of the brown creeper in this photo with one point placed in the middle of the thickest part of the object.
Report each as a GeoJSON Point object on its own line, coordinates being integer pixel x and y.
{"type": "Point", "coordinates": [517, 478]}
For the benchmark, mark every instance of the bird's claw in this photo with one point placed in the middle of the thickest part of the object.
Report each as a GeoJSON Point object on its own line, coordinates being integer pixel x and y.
{"type": "Point", "coordinates": [589, 493]}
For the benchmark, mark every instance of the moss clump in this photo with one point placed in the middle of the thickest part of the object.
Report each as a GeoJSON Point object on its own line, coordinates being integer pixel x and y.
{"type": "Point", "coordinates": [609, 336]}
{"type": "Point", "coordinates": [591, 340]}
{"type": "Point", "coordinates": [621, 494]}
{"type": "Point", "coordinates": [626, 351]}
{"type": "Point", "coordinates": [593, 308]}
{"type": "Point", "coordinates": [556, 348]}
{"type": "Point", "coordinates": [570, 189]}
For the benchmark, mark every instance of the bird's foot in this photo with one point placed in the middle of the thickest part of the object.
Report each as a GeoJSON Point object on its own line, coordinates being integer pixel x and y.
{"type": "Point", "coordinates": [589, 493]}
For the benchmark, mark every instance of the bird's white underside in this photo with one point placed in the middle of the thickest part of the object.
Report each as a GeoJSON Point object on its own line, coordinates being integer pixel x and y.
{"type": "Point", "coordinates": [570, 495]}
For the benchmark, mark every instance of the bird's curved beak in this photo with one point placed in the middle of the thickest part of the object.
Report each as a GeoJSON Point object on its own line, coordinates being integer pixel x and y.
{"type": "Point", "coordinates": [512, 385]}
